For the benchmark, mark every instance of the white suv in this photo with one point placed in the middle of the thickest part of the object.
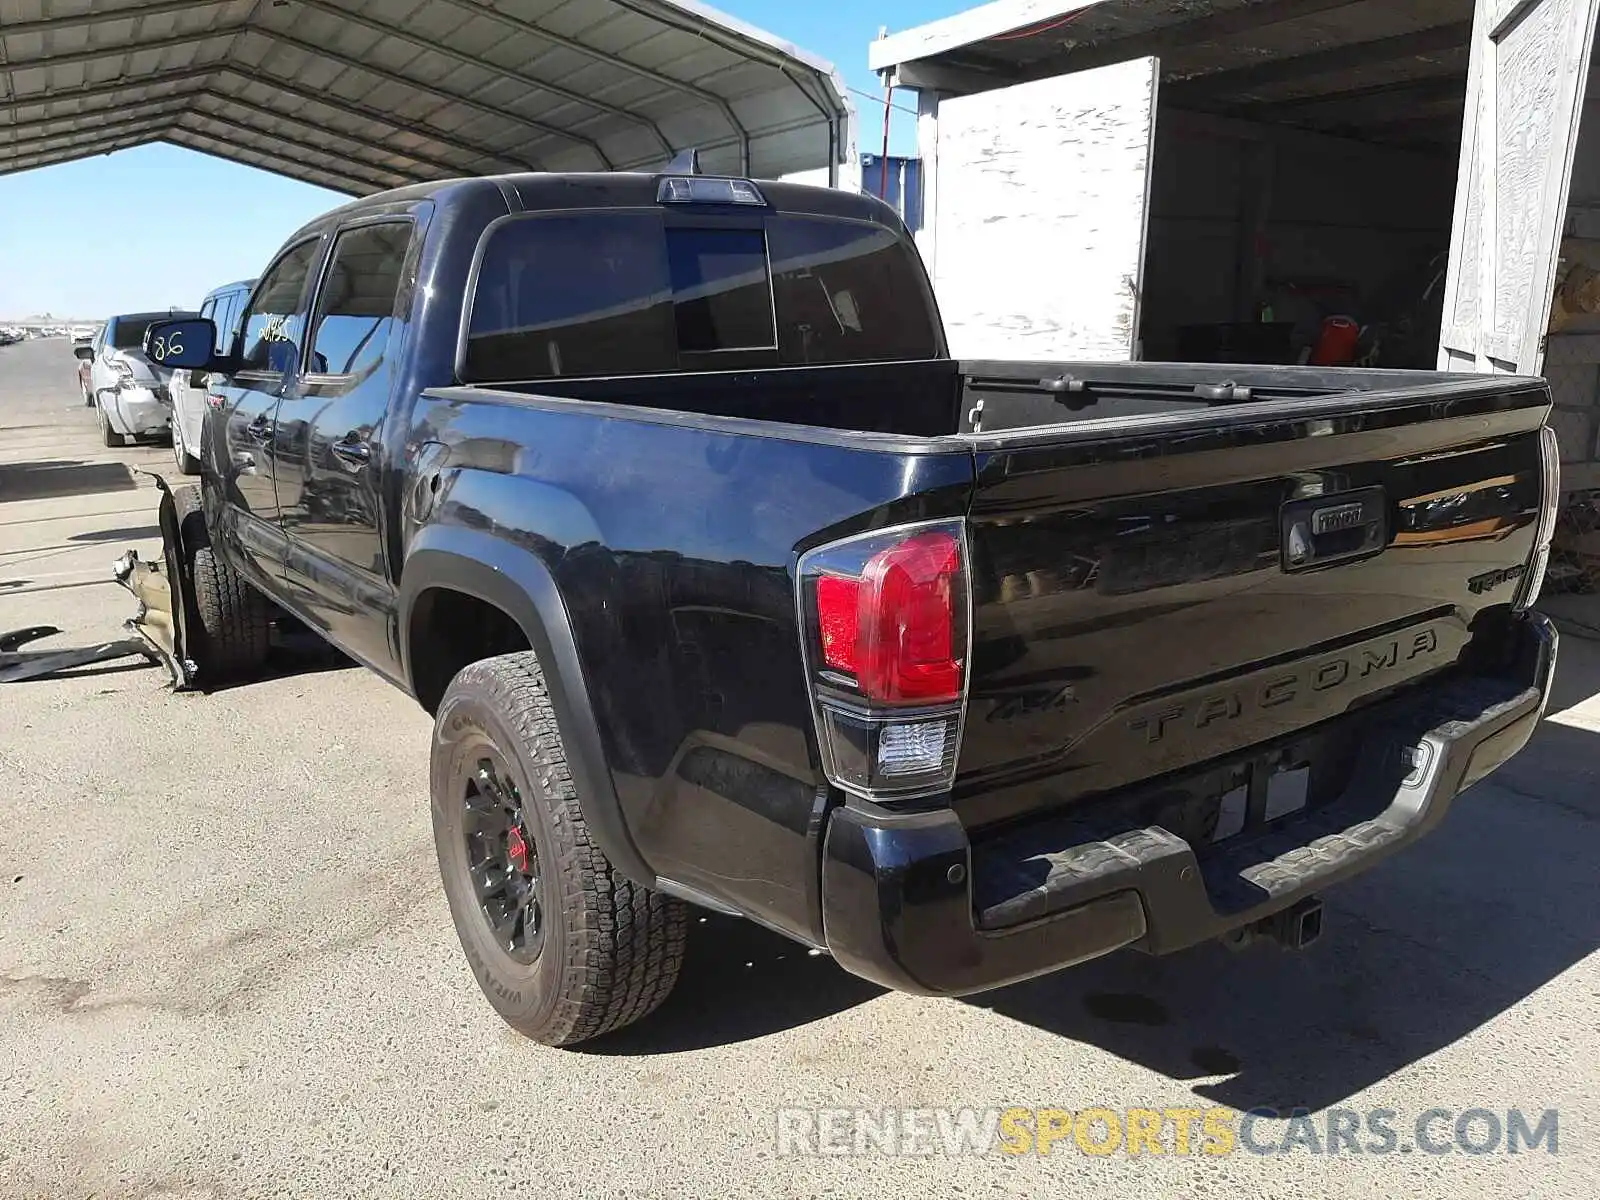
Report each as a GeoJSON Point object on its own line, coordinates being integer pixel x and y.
{"type": "Point", "coordinates": [222, 307]}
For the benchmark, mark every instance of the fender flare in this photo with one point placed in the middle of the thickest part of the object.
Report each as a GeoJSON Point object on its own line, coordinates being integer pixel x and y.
{"type": "Point", "coordinates": [519, 583]}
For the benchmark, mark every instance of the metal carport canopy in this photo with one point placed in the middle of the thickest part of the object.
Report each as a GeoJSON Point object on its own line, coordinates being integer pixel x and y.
{"type": "Point", "coordinates": [362, 95]}
{"type": "Point", "coordinates": [1390, 71]}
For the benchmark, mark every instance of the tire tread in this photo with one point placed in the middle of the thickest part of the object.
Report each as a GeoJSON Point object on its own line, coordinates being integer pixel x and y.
{"type": "Point", "coordinates": [235, 619]}
{"type": "Point", "coordinates": [625, 943]}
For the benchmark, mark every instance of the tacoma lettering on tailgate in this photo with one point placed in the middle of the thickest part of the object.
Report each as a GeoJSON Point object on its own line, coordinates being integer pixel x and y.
{"type": "Point", "coordinates": [1241, 712]}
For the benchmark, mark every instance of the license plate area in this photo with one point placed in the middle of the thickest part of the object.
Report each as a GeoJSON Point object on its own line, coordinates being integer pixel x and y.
{"type": "Point", "coordinates": [1274, 787]}
{"type": "Point", "coordinates": [1240, 795]}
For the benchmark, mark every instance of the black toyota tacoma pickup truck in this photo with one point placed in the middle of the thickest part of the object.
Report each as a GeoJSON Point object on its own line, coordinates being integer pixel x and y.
{"type": "Point", "coordinates": [727, 586]}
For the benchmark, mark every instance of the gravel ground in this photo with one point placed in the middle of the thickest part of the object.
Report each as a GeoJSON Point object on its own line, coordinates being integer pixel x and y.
{"type": "Point", "coordinates": [227, 968]}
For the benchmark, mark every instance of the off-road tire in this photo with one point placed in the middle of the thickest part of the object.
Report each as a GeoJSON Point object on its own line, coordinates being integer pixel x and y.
{"type": "Point", "coordinates": [611, 950]}
{"type": "Point", "coordinates": [108, 435]}
{"type": "Point", "coordinates": [231, 641]}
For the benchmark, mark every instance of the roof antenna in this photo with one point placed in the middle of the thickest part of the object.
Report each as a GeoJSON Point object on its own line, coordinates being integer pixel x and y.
{"type": "Point", "coordinates": [685, 162]}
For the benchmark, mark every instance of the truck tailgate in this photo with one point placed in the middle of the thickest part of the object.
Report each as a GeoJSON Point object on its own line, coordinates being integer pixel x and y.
{"type": "Point", "coordinates": [1155, 593]}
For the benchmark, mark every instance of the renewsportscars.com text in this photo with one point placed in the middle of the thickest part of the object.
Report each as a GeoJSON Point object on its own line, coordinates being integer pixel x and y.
{"type": "Point", "coordinates": [1101, 1131]}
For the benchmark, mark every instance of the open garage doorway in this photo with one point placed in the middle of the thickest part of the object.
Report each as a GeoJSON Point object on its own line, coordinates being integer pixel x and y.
{"type": "Point", "coordinates": [1300, 208]}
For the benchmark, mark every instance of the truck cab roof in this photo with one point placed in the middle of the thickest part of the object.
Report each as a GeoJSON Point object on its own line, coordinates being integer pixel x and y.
{"type": "Point", "coordinates": [542, 191]}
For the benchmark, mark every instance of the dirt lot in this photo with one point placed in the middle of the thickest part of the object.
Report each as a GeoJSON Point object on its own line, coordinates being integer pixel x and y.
{"type": "Point", "coordinates": [227, 969]}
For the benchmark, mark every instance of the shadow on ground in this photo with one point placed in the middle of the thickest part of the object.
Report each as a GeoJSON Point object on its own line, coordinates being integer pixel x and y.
{"type": "Point", "coordinates": [1434, 943]}
{"type": "Point", "coordinates": [739, 981]}
{"type": "Point", "coordinates": [295, 651]}
{"type": "Point", "coordinates": [51, 479]}
{"type": "Point", "coordinates": [1428, 947]}
{"type": "Point", "coordinates": [128, 533]}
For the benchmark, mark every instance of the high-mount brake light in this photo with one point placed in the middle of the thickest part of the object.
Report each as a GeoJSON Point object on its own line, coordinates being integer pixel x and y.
{"type": "Point", "coordinates": [707, 189]}
{"type": "Point", "coordinates": [886, 642]}
{"type": "Point", "coordinates": [1549, 502]}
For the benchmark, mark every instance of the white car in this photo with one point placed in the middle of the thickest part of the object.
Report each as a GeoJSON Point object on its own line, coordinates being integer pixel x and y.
{"type": "Point", "coordinates": [131, 398]}
{"type": "Point", "coordinates": [222, 307]}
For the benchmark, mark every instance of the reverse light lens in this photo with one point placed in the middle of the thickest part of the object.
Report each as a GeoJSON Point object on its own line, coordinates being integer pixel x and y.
{"type": "Point", "coordinates": [886, 759]}
{"type": "Point", "coordinates": [912, 749]}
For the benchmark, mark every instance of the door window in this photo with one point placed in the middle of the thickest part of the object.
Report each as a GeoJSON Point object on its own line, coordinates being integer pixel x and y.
{"type": "Point", "coordinates": [228, 305]}
{"type": "Point", "coordinates": [275, 320]}
{"type": "Point", "coordinates": [355, 308]}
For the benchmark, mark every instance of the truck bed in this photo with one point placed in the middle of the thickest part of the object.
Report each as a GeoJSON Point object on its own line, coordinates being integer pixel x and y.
{"type": "Point", "coordinates": [940, 397]}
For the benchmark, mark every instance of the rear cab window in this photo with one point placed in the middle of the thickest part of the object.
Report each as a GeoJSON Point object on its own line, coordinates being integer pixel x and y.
{"type": "Point", "coordinates": [636, 292]}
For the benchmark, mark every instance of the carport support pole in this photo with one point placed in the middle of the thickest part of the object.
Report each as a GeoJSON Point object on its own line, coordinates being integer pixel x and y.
{"type": "Point", "coordinates": [883, 158]}
{"type": "Point", "coordinates": [928, 152]}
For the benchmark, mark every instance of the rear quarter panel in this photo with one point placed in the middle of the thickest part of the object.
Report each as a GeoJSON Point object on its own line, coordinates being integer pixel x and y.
{"type": "Point", "coordinates": [672, 541]}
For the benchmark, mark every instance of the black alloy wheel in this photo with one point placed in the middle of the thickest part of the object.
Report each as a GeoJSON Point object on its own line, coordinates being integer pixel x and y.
{"type": "Point", "coordinates": [502, 858]}
{"type": "Point", "coordinates": [563, 946]}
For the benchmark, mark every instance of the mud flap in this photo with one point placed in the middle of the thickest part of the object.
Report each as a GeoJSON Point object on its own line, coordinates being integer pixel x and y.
{"type": "Point", "coordinates": [165, 594]}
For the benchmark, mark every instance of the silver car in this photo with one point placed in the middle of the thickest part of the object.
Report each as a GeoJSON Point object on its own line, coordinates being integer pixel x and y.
{"type": "Point", "coordinates": [132, 400]}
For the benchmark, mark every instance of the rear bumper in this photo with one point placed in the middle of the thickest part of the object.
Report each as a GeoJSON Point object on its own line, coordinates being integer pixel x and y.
{"type": "Point", "coordinates": [139, 410]}
{"type": "Point", "coordinates": [910, 903]}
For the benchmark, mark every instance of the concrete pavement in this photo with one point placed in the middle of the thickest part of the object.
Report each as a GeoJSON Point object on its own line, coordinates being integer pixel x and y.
{"type": "Point", "coordinates": [227, 968]}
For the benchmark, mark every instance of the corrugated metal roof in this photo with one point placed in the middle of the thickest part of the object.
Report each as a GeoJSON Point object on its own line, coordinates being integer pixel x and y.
{"type": "Point", "coordinates": [1383, 70]}
{"type": "Point", "coordinates": [362, 95]}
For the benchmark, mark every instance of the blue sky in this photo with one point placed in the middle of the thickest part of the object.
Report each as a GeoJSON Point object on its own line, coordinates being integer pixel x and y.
{"type": "Point", "coordinates": [159, 226]}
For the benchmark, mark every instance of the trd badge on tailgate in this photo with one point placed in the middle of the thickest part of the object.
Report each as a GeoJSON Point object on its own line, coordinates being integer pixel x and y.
{"type": "Point", "coordinates": [1321, 530]}
{"type": "Point", "coordinates": [1340, 516]}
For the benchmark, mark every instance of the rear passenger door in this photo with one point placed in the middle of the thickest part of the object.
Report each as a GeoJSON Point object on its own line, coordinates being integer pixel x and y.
{"type": "Point", "coordinates": [242, 440]}
{"type": "Point", "coordinates": [330, 443]}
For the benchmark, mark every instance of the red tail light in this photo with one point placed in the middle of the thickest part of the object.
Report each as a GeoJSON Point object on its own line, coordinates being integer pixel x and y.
{"type": "Point", "coordinates": [886, 640]}
{"type": "Point", "coordinates": [894, 627]}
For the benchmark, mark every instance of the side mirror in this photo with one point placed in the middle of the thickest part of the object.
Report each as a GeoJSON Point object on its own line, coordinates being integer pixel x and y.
{"type": "Point", "coordinates": [190, 343]}
{"type": "Point", "coordinates": [84, 351]}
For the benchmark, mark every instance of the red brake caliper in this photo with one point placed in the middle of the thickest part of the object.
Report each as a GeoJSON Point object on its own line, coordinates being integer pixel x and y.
{"type": "Point", "coordinates": [517, 850]}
